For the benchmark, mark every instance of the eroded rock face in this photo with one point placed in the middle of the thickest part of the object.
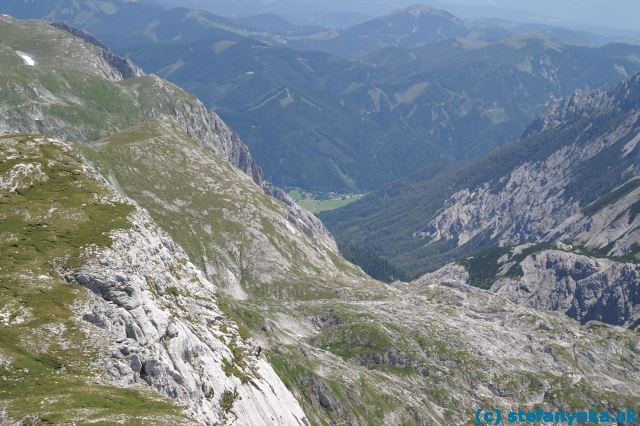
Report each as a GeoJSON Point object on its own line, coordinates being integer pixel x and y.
{"type": "Point", "coordinates": [532, 204]}
{"type": "Point", "coordinates": [582, 198]}
{"type": "Point", "coordinates": [158, 315]}
{"type": "Point", "coordinates": [575, 179]}
{"type": "Point", "coordinates": [584, 288]}
{"type": "Point", "coordinates": [208, 128]}
{"type": "Point", "coordinates": [236, 234]}
{"type": "Point", "coordinates": [304, 220]}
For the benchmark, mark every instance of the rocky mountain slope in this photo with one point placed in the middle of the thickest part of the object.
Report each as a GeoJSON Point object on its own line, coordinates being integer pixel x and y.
{"type": "Point", "coordinates": [99, 307]}
{"type": "Point", "coordinates": [587, 192]}
{"type": "Point", "coordinates": [558, 278]}
{"type": "Point", "coordinates": [577, 210]}
{"type": "Point", "coordinates": [90, 92]}
{"type": "Point", "coordinates": [349, 349]}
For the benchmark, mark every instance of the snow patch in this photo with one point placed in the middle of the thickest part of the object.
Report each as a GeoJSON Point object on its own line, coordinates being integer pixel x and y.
{"type": "Point", "coordinates": [28, 60]}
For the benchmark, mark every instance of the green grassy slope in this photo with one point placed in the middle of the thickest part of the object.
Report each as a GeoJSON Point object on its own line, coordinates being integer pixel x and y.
{"type": "Point", "coordinates": [51, 212]}
{"type": "Point", "coordinates": [71, 93]}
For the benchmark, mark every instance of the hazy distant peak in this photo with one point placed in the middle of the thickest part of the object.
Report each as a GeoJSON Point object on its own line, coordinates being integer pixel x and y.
{"type": "Point", "coordinates": [419, 10]}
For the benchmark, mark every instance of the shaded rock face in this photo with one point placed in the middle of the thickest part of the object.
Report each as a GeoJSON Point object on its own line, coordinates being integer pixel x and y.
{"type": "Point", "coordinates": [584, 288]}
{"type": "Point", "coordinates": [393, 357]}
{"type": "Point", "coordinates": [532, 204]}
{"type": "Point", "coordinates": [207, 128]}
{"type": "Point", "coordinates": [306, 221]}
{"type": "Point", "coordinates": [156, 312]}
{"type": "Point", "coordinates": [625, 96]}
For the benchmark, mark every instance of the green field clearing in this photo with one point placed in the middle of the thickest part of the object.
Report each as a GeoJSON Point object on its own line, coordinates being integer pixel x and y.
{"type": "Point", "coordinates": [317, 206]}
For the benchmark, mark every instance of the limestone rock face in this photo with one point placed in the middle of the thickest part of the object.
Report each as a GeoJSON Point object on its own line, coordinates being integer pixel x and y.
{"type": "Point", "coordinates": [583, 287]}
{"type": "Point", "coordinates": [563, 230]}
{"type": "Point", "coordinates": [146, 319]}
{"type": "Point", "coordinates": [532, 203]}
{"type": "Point", "coordinates": [157, 313]}
{"type": "Point", "coordinates": [306, 221]}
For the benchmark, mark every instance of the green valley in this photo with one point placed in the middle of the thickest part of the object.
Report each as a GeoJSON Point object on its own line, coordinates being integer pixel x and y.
{"type": "Point", "coordinates": [324, 203]}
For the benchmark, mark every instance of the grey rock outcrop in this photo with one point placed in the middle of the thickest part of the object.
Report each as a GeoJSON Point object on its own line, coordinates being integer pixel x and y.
{"type": "Point", "coordinates": [544, 199]}
{"type": "Point", "coordinates": [306, 221]}
{"type": "Point", "coordinates": [207, 128]}
{"type": "Point", "coordinates": [584, 288]}
{"type": "Point", "coordinates": [562, 247]}
{"type": "Point", "coordinates": [532, 204]}
{"type": "Point", "coordinates": [157, 314]}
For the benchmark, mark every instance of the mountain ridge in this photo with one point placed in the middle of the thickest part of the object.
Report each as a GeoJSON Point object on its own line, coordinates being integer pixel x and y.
{"type": "Point", "coordinates": [274, 96]}
{"type": "Point", "coordinates": [119, 78]}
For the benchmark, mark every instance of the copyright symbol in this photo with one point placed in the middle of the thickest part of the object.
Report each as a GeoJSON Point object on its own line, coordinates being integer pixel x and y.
{"type": "Point", "coordinates": [488, 417]}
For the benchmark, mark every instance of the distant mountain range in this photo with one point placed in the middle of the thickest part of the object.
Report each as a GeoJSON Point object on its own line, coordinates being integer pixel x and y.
{"type": "Point", "coordinates": [420, 24]}
{"type": "Point", "coordinates": [573, 13]}
{"type": "Point", "coordinates": [321, 122]}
